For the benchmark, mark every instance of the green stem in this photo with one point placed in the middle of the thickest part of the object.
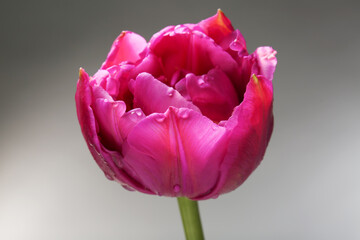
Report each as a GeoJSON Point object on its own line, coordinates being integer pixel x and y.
{"type": "Point", "coordinates": [191, 219]}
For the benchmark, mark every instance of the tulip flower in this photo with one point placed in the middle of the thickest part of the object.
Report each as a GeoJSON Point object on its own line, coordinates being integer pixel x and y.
{"type": "Point", "coordinates": [187, 114]}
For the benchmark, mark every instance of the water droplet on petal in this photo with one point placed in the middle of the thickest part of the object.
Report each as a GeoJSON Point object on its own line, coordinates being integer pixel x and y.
{"type": "Point", "coordinates": [108, 176]}
{"type": "Point", "coordinates": [236, 45]}
{"type": "Point", "coordinates": [184, 113]}
{"type": "Point", "coordinates": [127, 187]}
{"type": "Point", "coordinates": [177, 188]}
{"type": "Point", "coordinates": [201, 82]}
{"type": "Point", "coordinates": [139, 113]}
{"type": "Point", "coordinates": [170, 92]}
{"type": "Point", "coordinates": [160, 119]}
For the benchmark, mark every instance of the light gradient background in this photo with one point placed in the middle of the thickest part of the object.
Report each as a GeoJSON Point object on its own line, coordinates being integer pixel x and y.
{"type": "Point", "coordinates": [307, 187]}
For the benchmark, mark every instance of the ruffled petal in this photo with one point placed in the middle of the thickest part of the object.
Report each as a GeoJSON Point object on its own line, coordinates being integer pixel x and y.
{"type": "Point", "coordinates": [212, 93]}
{"type": "Point", "coordinates": [176, 153]}
{"type": "Point", "coordinates": [265, 62]}
{"type": "Point", "coordinates": [249, 129]}
{"type": "Point", "coordinates": [126, 47]}
{"type": "Point", "coordinates": [115, 81]}
{"type": "Point", "coordinates": [109, 161]}
{"type": "Point", "coordinates": [107, 113]}
{"type": "Point", "coordinates": [152, 96]}
{"type": "Point", "coordinates": [149, 64]}
{"type": "Point", "coordinates": [189, 50]}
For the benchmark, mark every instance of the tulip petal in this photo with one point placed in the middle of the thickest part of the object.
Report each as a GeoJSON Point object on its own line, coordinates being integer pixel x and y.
{"type": "Point", "coordinates": [126, 47]}
{"type": "Point", "coordinates": [176, 153]}
{"type": "Point", "coordinates": [213, 93]}
{"type": "Point", "coordinates": [151, 95]}
{"type": "Point", "coordinates": [249, 129]}
{"type": "Point", "coordinates": [217, 27]}
{"type": "Point", "coordinates": [191, 51]}
{"type": "Point", "coordinates": [265, 62]}
{"type": "Point", "coordinates": [107, 114]}
{"type": "Point", "coordinates": [103, 157]}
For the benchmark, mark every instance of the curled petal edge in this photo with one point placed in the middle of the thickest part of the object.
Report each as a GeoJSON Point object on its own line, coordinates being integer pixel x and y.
{"type": "Point", "coordinates": [103, 157]}
{"type": "Point", "coordinates": [249, 130]}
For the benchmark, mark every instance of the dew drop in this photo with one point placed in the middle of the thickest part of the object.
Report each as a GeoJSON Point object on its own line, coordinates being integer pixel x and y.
{"type": "Point", "coordinates": [139, 113]}
{"type": "Point", "coordinates": [108, 176]}
{"type": "Point", "coordinates": [176, 188]}
{"type": "Point", "coordinates": [201, 82]}
{"type": "Point", "coordinates": [160, 119]}
{"type": "Point", "coordinates": [127, 187]}
{"type": "Point", "coordinates": [184, 114]}
{"type": "Point", "coordinates": [170, 92]}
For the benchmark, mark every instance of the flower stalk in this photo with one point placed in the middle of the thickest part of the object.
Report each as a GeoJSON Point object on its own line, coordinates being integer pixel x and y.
{"type": "Point", "coordinates": [190, 216]}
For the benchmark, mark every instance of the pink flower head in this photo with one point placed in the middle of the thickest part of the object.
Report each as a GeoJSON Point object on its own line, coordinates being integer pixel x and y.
{"type": "Point", "coordinates": [188, 113]}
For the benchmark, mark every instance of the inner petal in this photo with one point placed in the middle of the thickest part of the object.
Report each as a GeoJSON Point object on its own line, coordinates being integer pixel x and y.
{"type": "Point", "coordinates": [182, 49]}
{"type": "Point", "coordinates": [212, 93]}
{"type": "Point", "coordinates": [152, 95]}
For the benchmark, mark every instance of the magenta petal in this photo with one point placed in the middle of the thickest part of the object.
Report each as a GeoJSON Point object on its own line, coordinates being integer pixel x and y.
{"type": "Point", "coordinates": [266, 62]}
{"type": "Point", "coordinates": [217, 27]}
{"type": "Point", "coordinates": [106, 159]}
{"type": "Point", "coordinates": [107, 114]}
{"type": "Point", "coordinates": [177, 153]}
{"type": "Point", "coordinates": [213, 93]}
{"type": "Point", "coordinates": [191, 51]}
{"type": "Point", "coordinates": [250, 128]}
{"type": "Point", "coordinates": [128, 121]}
{"type": "Point", "coordinates": [151, 95]}
{"type": "Point", "coordinates": [149, 64]}
{"type": "Point", "coordinates": [126, 47]}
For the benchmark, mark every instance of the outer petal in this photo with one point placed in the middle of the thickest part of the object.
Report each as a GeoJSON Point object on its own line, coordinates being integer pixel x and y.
{"type": "Point", "coordinates": [250, 128]}
{"type": "Point", "coordinates": [177, 153]}
{"type": "Point", "coordinates": [265, 62]}
{"type": "Point", "coordinates": [126, 47]}
{"type": "Point", "coordinates": [107, 112]}
{"type": "Point", "coordinates": [217, 27]}
{"type": "Point", "coordinates": [152, 95]}
{"type": "Point", "coordinates": [106, 159]}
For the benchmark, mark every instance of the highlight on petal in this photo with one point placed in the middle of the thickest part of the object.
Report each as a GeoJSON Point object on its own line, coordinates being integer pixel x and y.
{"type": "Point", "coordinates": [249, 129]}
{"type": "Point", "coordinates": [153, 96]}
{"type": "Point", "coordinates": [266, 62]}
{"type": "Point", "coordinates": [126, 47]}
{"type": "Point", "coordinates": [177, 153]}
{"type": "Point", "coordinates": [217, 27]}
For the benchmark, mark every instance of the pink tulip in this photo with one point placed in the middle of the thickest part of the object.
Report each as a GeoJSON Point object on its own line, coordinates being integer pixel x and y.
{"type": "Point", "coordinates": [187, 114]}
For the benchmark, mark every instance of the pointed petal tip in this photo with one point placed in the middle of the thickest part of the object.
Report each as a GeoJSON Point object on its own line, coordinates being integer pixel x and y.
{"type": "Point", "coordinates": [222, 20]}
{"type": "Point", "coordinates": [254, 78]}
{"type": "Point", "coordinates": [82, 74]}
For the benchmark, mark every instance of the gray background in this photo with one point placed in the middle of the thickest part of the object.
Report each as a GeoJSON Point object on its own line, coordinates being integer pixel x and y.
{"type": "Point", "coordinates": [307, 187]}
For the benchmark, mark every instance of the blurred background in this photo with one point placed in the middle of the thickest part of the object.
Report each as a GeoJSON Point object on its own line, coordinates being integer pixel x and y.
{"type": "Point", "coordinates": [307, 187]}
